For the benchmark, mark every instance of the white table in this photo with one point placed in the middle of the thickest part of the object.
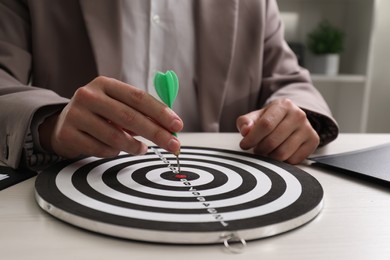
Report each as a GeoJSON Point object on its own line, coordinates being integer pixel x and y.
{"type": "Point", "coordinates": [354, 223]}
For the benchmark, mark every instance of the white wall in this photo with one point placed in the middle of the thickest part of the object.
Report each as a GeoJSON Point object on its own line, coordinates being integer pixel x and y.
{"type": "Point", "coordinates": [378, 116]}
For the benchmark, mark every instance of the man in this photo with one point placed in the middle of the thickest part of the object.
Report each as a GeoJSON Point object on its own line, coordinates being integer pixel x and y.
{"type": "Point", "coordinates": [90, 65]}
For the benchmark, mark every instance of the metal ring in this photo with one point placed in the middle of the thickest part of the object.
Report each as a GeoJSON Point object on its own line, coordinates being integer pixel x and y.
{"type": "Point", "coordinates": [233, 237]}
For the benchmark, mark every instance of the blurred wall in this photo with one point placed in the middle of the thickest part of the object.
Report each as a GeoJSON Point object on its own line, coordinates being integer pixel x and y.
{"type": "Point", "coordinates": [378, 115]}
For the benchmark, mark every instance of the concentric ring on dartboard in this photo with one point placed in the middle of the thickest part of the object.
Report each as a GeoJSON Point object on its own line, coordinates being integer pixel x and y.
{"type": "Point", "coordinates": [138, 197]}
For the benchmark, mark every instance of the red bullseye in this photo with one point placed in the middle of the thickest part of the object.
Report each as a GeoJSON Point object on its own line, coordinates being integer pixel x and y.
{"type": "Point", "coordinates": [181, 176]}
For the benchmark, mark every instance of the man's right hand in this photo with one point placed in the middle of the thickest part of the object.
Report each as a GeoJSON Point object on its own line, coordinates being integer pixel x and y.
{"type": "Point", "coordinates": [102, 117]}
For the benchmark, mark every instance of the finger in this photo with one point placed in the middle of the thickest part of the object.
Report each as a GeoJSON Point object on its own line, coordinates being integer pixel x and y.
{"type": "Point", "coordinates": [245, 123]}
{"type": "Point", "coordinates": [129, 118]}
{"type": "Point", "coordinates": [78, 120]}
{"type": "Point", "coordinates": [294, 153]}
{"type": "Point", "coordinates": [112, 136]}
{"type": "Point", "coordinates": [142, 102]}
{"type": "Point", "coordinates": [302, 152]}
{"type": "Point", "coordinates": [294, 119]}
{"type": "Point", "coordinates": [89, 146]}
{"type": "Point", "coordinates": [137, 123]}
{"type": "Point", "coordinates": [298, 146]}
{"type": "Point", "coordinates": [267, 121]}
{"type": "Point", "coordinates": [284, 150]}
{"type": "Point", "coordinates": [71, 143]}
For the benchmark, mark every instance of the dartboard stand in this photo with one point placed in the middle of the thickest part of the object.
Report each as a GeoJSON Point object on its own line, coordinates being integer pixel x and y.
{"type": "Point", "coordinates": [219, 196]}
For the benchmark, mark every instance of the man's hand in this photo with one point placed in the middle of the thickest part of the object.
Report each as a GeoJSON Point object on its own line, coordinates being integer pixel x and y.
{"type": "Point", "coordinates": [101, 118]}
{"type": "Point", "coordinates": [280, 131]}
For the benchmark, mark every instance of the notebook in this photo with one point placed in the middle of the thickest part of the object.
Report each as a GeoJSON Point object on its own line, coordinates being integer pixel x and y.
{"type": "Point", "coordinates": [9, 176]}
{"type": "Point", "coordinates": [371, 163]}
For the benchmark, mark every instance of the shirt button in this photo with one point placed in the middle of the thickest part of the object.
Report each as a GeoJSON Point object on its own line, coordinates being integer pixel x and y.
{"type": "Point", "coordinates": [156, 19]}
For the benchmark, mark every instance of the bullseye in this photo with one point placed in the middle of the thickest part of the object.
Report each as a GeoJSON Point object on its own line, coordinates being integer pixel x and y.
{"type": "Point", "coordinates": [216, 193]}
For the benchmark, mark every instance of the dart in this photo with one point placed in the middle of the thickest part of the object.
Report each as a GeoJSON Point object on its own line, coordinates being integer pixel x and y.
{"type": "Point", "coordinates": [167, 87]}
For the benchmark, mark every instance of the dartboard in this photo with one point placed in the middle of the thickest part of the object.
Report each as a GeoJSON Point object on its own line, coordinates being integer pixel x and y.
{"type": "Point", "coordinates": [216, 193]}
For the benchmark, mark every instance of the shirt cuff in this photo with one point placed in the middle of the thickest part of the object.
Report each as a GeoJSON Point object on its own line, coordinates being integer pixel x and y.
{"type": "Point", "coordinates": [326, 128]}
{"type": "Point", "coordinates": [35, 157]}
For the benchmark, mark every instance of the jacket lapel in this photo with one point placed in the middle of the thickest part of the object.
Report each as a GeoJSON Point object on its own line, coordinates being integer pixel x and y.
{"type": "Point", "coordinates": [215, 33]}
{"type": "Point", "coordinates": [103, 22]}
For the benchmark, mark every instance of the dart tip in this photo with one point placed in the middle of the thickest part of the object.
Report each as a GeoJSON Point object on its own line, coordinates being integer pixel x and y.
{"type": "Point", "coordinates": [177, 159]}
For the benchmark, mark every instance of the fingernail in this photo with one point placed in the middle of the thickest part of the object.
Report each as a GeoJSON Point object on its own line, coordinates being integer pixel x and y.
{"type": "Point", "coordinates": [143, 149]}
{"type": "Point", "coordinates": [173, 145]}
{"type": "Point", "coordinates": [176, 125]}
{"type": "Point", "coordinates": [244, 130]}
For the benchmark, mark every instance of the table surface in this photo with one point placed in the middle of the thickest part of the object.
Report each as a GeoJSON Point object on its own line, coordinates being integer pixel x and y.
{"type": "Point", "coordinates": [354, 223]}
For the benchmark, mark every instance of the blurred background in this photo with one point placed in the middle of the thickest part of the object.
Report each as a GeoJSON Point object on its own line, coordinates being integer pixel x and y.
{"type": "Point", "coordinates": [345, 44]}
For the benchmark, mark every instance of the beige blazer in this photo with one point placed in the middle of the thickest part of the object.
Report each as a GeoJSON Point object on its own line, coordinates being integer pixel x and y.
{"type": "Point", "coordinates": [242, 62]}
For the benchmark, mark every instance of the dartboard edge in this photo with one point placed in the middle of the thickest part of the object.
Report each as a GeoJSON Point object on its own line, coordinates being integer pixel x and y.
{"type": "Point", "coordinates": [139, 198]}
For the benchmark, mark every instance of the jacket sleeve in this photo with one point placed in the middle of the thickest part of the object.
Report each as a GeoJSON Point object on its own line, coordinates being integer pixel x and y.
{"type": "Point", "coordinates": [284, 78]}
{"type": "Point", "coordinates": [18, 100]}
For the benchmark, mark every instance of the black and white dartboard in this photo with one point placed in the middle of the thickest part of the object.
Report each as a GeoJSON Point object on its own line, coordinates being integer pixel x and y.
{"type": "Point", "coordinates": [217, 193]}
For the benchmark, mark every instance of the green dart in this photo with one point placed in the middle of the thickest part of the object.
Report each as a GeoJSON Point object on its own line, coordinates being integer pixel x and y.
{"type": "Point", "coordinates": [167, 87]}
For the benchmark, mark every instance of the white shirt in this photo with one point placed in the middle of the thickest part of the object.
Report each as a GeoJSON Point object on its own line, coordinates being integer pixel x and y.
{"type": "Point", "coordinates": [159, 35]}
